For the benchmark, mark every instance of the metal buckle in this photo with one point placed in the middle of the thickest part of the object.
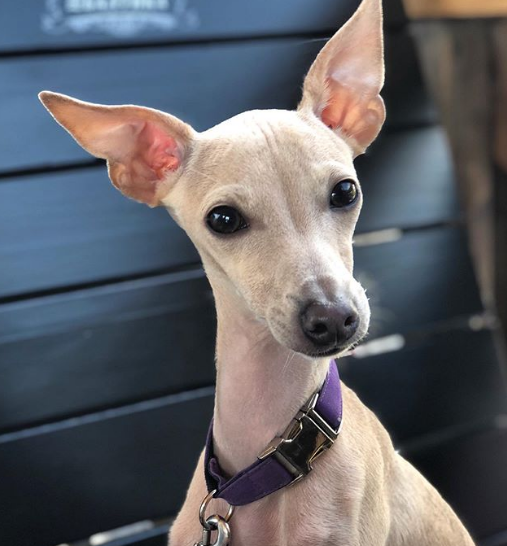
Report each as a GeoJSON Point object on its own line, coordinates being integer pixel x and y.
{"type": "Point", "coordinates": [304, 440]}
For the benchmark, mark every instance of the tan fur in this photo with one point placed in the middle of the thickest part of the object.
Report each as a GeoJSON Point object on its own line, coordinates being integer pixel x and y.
{"type": "Point", "coordinates": [278, 168]}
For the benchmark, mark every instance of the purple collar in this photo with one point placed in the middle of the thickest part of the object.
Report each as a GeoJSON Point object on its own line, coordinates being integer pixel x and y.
{"type": "Point", "coordinates": [288, 458]}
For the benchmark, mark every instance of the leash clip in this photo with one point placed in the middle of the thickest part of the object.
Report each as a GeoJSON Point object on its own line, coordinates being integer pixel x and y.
{"type": "Point", "coordinates": [218, 524]}
{"type": "Point", "coordinates": [214, 523]}
{"type": "Point", "coordinates": [304, 440]}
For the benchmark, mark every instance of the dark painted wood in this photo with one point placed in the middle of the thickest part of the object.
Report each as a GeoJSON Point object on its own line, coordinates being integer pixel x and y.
{"type": "Point", "coordinates": [101, 305]}
{"type": "Point", "coordinates": [424, 277]}
{"type": "Point", "coordinates": [95, 474]}
{"type": "Point", "coordinates": [498, 539]}
{"type": "Point", "coordinates": [138, 338]}
{"type": "Point", "coordinates": [75, 23]}
{"type": "Point", "coordinates": [105, 347]}
{"type": "Point", "coordinates": [470, 474]}
{"type": "Point", "coordinates": [408, 181]}
{"type": "Point", "coordinates": [66, 23]}
{"type": "Point", "coordinates": [202, 85]}
{"type": "Point", "coordinates": [405, 93]}
{"type": "Point", "coordinates": [152, 537]}
{"type": "Point", "coordinates": [436, 383]}
{"type": "Point", "coordinates": [73, 227]}
{"type": "Point", "coordinates": [72, 353]}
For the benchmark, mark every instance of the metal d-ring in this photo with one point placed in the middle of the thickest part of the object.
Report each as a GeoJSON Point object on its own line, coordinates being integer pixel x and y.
{"type": "Point", "coordinates": [204, 505]}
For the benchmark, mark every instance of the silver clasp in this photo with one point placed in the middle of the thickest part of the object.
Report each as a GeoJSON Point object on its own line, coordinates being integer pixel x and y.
{"type": "Point", "coordinates": [304, 440]}
{"type": "Point", "coordinates": [214, 523]}
{"type": "Point", "coordinates": [218, 524]}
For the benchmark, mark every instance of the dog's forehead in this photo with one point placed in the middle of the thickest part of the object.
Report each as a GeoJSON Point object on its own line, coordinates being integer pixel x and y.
{"type": "Point", "coordinates": [260, 138]}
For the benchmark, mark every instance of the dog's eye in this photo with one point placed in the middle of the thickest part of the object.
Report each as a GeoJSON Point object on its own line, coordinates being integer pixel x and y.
{"type": "Point", "coordinates": [343, 194]}
{"type": "Point", "coordinates": [225, 220]}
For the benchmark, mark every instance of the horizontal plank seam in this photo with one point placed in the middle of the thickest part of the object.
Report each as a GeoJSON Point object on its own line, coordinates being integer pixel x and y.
{"type": "Point", "coordinates": [451, 223]}
{"type": "Point", "coordinates": [104, 320]}
{"type": "Point", "coordinates": [323, 35]}
{"type": "Point", "coordinates": [498, 539]}
{"type": "Point", "coordinates": [458, 323]}
{"type": "Point", "coordinates": [132, 540]}
{"type": "Point", "coordinates": [64, 289]}
{"type": "Point", "coordinates": [450, 434]}
{"type": "Point", "coordinates": [13, 174]}
{"type": "Point", "coordinates": [51, 168]}
{"type": "Point", "coordinates": [107, 414]}
{"type": "Point", "coordinates": [413, 339]}
{"type": "Point", "coordinates": [189, 273]}
{"type": "Point", "coordinates": [94, 284]}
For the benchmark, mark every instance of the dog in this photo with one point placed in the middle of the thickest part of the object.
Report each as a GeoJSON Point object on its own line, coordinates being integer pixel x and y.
{"type": "Point", "coordinates": [270, 198]}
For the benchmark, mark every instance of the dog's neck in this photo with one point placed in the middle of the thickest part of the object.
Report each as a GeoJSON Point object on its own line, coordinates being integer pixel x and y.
{"type": "Point", "coordinates": [260, 384]}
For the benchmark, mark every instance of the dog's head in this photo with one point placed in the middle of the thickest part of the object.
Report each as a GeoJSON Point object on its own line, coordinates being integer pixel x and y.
{"type": "Point", "coordinates": [270, 198]}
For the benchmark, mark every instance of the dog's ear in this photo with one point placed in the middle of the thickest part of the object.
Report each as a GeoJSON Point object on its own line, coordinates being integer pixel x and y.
{"type": "Point", "coordinates": [144, 148]}
{"type": "Point", "coordinates": [343, 85]}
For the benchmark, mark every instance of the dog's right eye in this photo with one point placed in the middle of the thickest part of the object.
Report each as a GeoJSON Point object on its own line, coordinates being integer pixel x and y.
{"type": "Point", "coordinates": [225, 220]}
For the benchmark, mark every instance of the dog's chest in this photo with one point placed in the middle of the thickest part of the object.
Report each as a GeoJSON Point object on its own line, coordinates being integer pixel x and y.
{"type": "Point", "coordinates": [321, 512]}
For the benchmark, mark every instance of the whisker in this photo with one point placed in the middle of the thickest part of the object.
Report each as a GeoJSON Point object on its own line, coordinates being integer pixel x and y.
{"type": "Point", "coordinates": [290, 356]}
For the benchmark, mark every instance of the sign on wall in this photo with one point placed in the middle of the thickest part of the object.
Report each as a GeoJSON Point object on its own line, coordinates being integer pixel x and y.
{"type": "Point", "coordinates": [119, 18]}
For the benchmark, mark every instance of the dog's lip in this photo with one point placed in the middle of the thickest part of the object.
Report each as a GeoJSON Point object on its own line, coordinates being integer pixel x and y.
{"type": "Point", "coordinates": [337, 350]}
{"type": "Point", "coordinates": [334, 351]}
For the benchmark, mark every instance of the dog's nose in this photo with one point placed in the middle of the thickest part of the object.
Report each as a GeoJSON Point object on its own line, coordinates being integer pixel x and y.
{"type": "Point", "coordinates": [329, 325]}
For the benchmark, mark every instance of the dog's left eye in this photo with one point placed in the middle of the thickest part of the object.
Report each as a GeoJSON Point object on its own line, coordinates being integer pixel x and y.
{"type": "Point", "coordinates": [343, 194]}
{"type": "Point", "coordinates": [225, 220]}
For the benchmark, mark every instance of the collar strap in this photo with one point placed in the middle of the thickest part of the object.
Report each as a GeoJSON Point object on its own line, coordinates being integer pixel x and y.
{"type": "Point", "coordinates": [287, 458]}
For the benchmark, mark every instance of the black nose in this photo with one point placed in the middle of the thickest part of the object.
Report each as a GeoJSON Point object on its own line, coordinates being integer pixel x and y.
{"type": "Point", "coordinates": [329, 325]}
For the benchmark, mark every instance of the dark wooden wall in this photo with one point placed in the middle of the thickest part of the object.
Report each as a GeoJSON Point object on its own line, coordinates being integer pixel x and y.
{"type": "Point", "coordinates": [105, 395]}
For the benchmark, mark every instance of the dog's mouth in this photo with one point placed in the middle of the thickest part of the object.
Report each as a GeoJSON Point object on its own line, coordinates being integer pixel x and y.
{"type": "Point", "coordinates": [334, 351]}
{"type": "Point", "coordinates": [330, 352]}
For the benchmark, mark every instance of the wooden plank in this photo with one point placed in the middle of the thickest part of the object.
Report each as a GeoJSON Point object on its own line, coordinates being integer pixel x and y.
{"type": "Point", "coordinates": [124, 467]}
{"type": "Point", "coordinates": [267, 74]}
{"type": "Point", "coordinates": [470, 474]}
{"type": "Point", "coordinates": [422, 278]}
{"type": "Point", "coordinates": [84, 23]}
{"type": "Point", "coordinates": [80, 229]}
{"type": "Point", "coordinates": [402, 186]}
{"type": "Point", "coordinates": [78, 353]}
{"type": "Point", "coordinates": [58, 353]}
{"type": "Point", "coordinates": [103, 304]}
{"type": "Point", "coordinates": [462, 9]}
{"type": "Point", "coordinates": [100, 472]}
{"type": "Point", "coordinates": [436, 383]}
{"type": "Point", "coordinates": [152, 537]}
{"type": "Point", "coordinates": [498, 539]}
{"type": "Point", "coordinates": [405, 93]}
{"type": "Point", "coordinates": [202, 85]}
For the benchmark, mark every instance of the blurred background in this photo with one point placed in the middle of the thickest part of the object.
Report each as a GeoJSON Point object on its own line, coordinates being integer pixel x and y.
{"type": "Point", "coordinates": [106, 319]}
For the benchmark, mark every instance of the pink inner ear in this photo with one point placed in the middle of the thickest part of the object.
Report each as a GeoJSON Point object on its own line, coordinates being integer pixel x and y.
{"type": "Point", "coordinates": [344, 108]}
{"type": "Point", "coordinates": [158, 151]}
{"type": "Point", "coordinates": [357, 115]}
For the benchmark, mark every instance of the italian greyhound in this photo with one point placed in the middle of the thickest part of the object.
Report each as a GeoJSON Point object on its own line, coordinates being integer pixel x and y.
{"type": "Point", "coordinates": [270, 198]}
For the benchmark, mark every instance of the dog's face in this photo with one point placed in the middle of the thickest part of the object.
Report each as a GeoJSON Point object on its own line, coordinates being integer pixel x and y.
{"type": "Point", "coordinates": [269, 198]}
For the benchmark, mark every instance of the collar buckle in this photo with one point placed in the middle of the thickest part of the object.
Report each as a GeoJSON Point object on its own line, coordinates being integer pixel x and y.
{"type": "Point", "coordinates": [304, 440]}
